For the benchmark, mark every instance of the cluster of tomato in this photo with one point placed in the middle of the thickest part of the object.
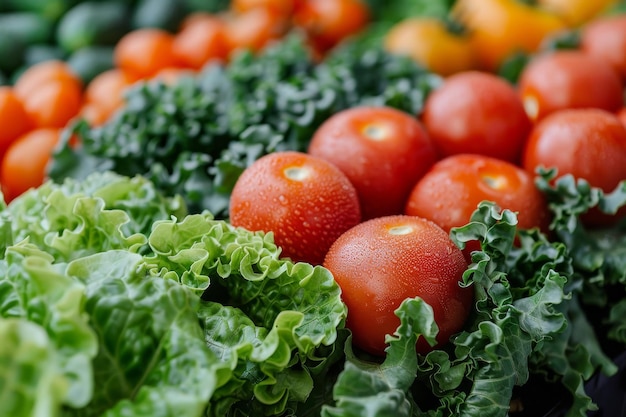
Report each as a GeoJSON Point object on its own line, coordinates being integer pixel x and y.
{"type": "Point", "coordinates": [484, 34]}
{"type": "Point", "coordinates": [378, 190]}
{"type": "Point", "coordinates": [48, 95]}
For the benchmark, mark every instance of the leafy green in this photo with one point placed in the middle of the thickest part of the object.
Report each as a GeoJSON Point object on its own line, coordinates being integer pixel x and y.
{"type": "Point", "coordinates": [142, 313]}
{"type": "Point", "coordinates": [31, 383]}
{"type": "Point", "coordinates": [194, 138]}
{"type": "Point", "coordinates": [32, 288]}
{"type": "Point", "coordinates": [281, 308]}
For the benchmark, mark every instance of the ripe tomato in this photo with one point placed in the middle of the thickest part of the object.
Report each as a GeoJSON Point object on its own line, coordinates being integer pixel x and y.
{"type": "Point", "coordinates": [381, 262]}
{"type": "Point", "coordinates": [383, 152]}
{"type": "Point", "coordinates": [282, 7]}
{"type": "Point", "coordinates": [567, 79]}
{"type": "Point", "coordinates": [14, 120]}
{"type": "Point", "coordinates": [621, 115]}
{"type": "Point", "coordinates": [606, 38]}
{"type": "Point", "coordinates": [449, 193]}
{"type": "Point", "coordinates": [42, 73]}
{"type": "Point", "coordinates": [24, 163]}
{"type": "Point", "coordinates": [143, 52]}
{"type": "Point", "coordinates": [306, 201]}
{"type": "Point", "coordinates": [586, 143]}
{"type": "Point", "coordinates": [54, 103]}
{"type": "Point", "coordinates": [327, 22]}
{"type": "Point", "coordinates": [476, 112]}
{"type": "Point", "coordinates": [430, 43]}
{"type": "Point", "coordinates": [254, 30]}
{"type": "Point", "coordinates": [499, 28]}
{"type": "Point", "coordinates": [201, 40]}
{"type": "Point", "coordinates": [106, 90]}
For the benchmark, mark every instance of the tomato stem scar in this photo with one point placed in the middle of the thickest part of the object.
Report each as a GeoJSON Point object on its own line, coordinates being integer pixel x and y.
{"type": "Point", "coordinates": [400, 230]}
{"type": "Point", "coordinates": [296, 173]}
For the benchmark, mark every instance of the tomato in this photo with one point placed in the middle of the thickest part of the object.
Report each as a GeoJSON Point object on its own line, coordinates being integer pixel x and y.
{"type": "Point", "coordinates": [254, 29]}
{"type": "Point", "coordinates": [14, 120]}
{"type": "Point", "coordinates": [106, 90]}
{"type": "Point", "coordinates": [576, 12]}
{"type": "Point", "coordinates": [305, 201]}
{"type": "Point", "coordinates": [42, 73]}
{"type": "Point", "coordinates": [500, 28]}
{"type": "Point", "coordinates": [24, 163]}
{"type": "Point", "coordinates": [621, 115]}
{"type": "Point", "coordinates": [449, 193]}
{"type": "Point", "coordinates": [328, 22]}
{"type": "Point", "coordinates": [383, 152]}
{"type": "Point", "coordinates": [586, 143]}
{"type": "Point", "coordinates": [383, 261]}
{"type": "Point", "coordinates": [54, 103]}
{"type": "Point", "coordinates": [430, 43]}
{"type": "Point", "coordinates": [282, 7]}
{"type": "Point", "coordinates": [567, 79]}
{"type": "Point", "coordinates": [200, 41]}
{"type": "Point", "coordinates": [606, 38]}
{"type": "Point", "coordinates": [143, 52]}
{"type": "Point", "coordinates": [476, 112]}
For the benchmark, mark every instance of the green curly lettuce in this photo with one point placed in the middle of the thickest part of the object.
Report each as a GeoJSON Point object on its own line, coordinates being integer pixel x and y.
{"type": "Point", "coordinates": [31, 383]}
{"type": "Point", "coordinates": [285, 312]}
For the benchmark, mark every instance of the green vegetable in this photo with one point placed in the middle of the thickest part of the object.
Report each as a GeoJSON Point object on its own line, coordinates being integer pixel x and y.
{"type": "Point", "coordinates": [89, 61]}
{"type": "Point", "coordinates": [93, 23]}
{"type": "Point", "coordinates": [139, 309]}
{"type": "Point", "coordinates": [196, 137]}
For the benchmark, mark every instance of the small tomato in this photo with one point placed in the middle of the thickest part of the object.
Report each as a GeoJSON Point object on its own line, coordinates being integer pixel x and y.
{"type": "Point", "coordinates": [305, 201]}
{"type": "Point", "coordinates": [383, 152]}
{"type": "Point", "coordinates": [383, 261]}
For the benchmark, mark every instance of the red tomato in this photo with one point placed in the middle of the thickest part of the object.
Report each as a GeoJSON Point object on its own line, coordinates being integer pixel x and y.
{"type": "Point", "coordinates": [14, 120]}
{"type": "Point", "coordinates": [201, 40]}
{"type": "Point", "coordinates": [382, 151]}
{"type": "Point", "coordinates": [621, 115]}
{"type": "Point", "coordinates": [449, 193]}
{"type": "Point", "coordinates": [606, 38]}
{"type": "Point", "coordinates": [476, 112]}
{"type": "Point", "coordinates": [254, 30]}
{"type": "Point", "coordinates": [381, 262]}
{"type": "Point", "coordinates": [24, 163]}
{"type": "Point", "coordinates": [586, 143]}
{"type": "Point", "coordinates": [328, 22]}
{"type": "Point", "coordinates": [568, 79]}
{"type": "Point", "coordinates": [306, 201]}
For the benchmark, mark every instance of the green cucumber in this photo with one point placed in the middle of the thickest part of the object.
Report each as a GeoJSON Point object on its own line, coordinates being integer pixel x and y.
{"type": "Point", "coordinates": [162, 14]}
{"type": "Point", "coordinates": [90, 61]}
{"type": "Point", "coordinates": [93, 23]}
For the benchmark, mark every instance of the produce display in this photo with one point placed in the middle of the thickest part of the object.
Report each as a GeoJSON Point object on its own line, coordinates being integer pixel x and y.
{"type": "Point", "coordinates": [334, 208]}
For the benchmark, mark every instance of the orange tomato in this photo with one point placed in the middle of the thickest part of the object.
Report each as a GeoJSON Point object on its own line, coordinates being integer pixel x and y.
{"type": "Point", "coordinates": [172, 75]}
{"type": "Point", "coordinates": [42, 73]}
{"type": "Point", "coordinates": [14, 120]}
{"type": "Point", "coordinates": [499, 28]}
{"type": "Point", "coordinates": [254, 29]}
{"type": "Point", "coordinates": [24, 163]}
{"type": "Point", "coordinates": [282, 7]}
{"type": "Point", "coordinates": [431, 44]}
{"type": "Point", "coordinates": [106, 90]}
{"type": "Point", "coordinates": [201, 40]}
{"type": "Point", "coordinates": [576, 12]}
{"type": "Point", "coordinates": [327, 22]}
{"type": "Point", "coordinates": [143, 52]}
{"type": "Point", "coordinates": [54, 103]}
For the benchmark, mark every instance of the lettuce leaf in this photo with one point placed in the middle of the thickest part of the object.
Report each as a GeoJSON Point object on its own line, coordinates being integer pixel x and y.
{"type": "Point", "coordinates": [152, 359]}
{"type": "Point", "coordinates": [284, 312]}
{"type": "Point", "coordinates": [31, 383]}
{"type": "Point", "coordinates": [78, 218]}
{"type": "Point", "coordinates": [33, 289]}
